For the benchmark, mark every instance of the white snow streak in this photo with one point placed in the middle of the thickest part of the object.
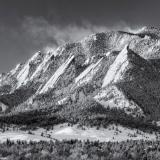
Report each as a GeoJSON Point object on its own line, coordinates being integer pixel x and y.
{"type": "Point", "coordinates": [22, 77]}
{"type": "Point", "coordinates": [56, 75]}
{"type": "Point", "coordinates": [88, 74]}
{"type": "Point", "coordinates": [108, 53]}
{"type": "Point", "coordinates": [43, 66]}
{"type": "Point", "coordinates": [15, 69]}
{"type": "Point", "coordinates": [115, 67]}
{"type": "Point", "coordinates": [62, 101]}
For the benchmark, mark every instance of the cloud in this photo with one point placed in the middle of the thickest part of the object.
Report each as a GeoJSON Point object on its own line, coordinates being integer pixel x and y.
{"type": "Point", "coordinates": [20, 42]}
{"type": "Point", "coordinates": [44, 33]}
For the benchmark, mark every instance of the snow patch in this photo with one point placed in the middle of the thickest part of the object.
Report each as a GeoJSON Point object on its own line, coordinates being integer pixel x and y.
{"type": "Point", "coordinates": [111, 133]}
{"type": "Point", "coordinates": [20, 135]}
{"type": "Point", "coordinates": [64, 132]}
{"type": "Point", "coordinates": [108, 53]}
{"type": "Point", "coordinates": [3, 107]}
{"type": "Point", "coordinates": [51, 50]}
{"type": "Point", "coordinates": [62, 101]}
{"type": "Point", "coordinates": [34, 57]}
{"type": "Point", "coordinates": [137, 31]}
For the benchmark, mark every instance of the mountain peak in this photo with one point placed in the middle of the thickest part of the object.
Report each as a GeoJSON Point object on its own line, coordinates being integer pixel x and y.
{"type": "Point", "coordinates": [127, 66]}
{"type": "Point", "coordinates": [87, 66]}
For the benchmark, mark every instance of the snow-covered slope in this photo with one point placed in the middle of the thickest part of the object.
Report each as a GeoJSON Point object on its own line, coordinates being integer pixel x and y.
{"type": "Point", "coordinates": [88, 73]}
{"type": "Point", "coordinates": [42, 67]}
{"type": "Point", "coordinates": [127, 67]}
{"type": "Point", "coordinates": [90, 68]}
{"type": "Point", "coordinates": [28, 69]}
{"type": "Point", "coordinates": [112, 133]}
{"type": "Point", "coordinates": [15, 70]}
{"type": "Point", "coordinates": [56, 75]}
{"type": "Point", "coordinates": [113, 97]}
{"type": "Point", "coordinates": [105, 79]}
{"type": "Point", "coordinates": [116, 68]}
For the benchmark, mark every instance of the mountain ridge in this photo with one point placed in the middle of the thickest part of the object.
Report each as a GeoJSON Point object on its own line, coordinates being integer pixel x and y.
{"type": "Point", "coordinates": [113, 70]}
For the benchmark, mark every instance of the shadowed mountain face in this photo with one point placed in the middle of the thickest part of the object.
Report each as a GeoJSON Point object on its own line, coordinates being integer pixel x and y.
{"type": "Point", "coordinates": [114, 70]}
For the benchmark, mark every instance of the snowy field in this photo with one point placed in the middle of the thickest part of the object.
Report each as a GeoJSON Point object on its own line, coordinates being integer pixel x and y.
{"type": "Point", "coordinates": [60, 132]}
{"type": "Point", "coordinates": [20, 135]}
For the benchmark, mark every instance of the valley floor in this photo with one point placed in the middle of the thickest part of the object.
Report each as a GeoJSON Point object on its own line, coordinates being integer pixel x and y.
{"type": "Point", "coordinates": [65, 132]}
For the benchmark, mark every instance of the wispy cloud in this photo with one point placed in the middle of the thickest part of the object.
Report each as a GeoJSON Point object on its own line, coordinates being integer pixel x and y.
{"type": "Point", "coordinates": [43, 33]}
{"type": "Point", "coordinates": [33, 34]}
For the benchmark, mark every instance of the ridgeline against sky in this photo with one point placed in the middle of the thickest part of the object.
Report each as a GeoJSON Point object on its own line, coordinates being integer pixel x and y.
{"type": "Point", "coordinates": [28, 26]}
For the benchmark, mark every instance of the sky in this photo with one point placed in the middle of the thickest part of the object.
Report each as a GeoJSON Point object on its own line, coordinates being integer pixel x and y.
{"type": "Point", "coordinates": [27, 26]}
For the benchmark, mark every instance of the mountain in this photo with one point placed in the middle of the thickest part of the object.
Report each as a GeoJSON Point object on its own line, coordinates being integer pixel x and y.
{"type": "Point", "coordinates": [110, 77]}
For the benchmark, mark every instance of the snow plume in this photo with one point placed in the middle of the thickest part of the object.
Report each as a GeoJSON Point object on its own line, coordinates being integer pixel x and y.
{"type": "Point", "coordinates": [49, 49]}
{"type": "Point", "coordinates": [45, 33]}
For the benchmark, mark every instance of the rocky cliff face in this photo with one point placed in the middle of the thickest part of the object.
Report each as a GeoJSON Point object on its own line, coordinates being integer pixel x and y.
{"type": "Point", "coordinates": [115, 69]}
